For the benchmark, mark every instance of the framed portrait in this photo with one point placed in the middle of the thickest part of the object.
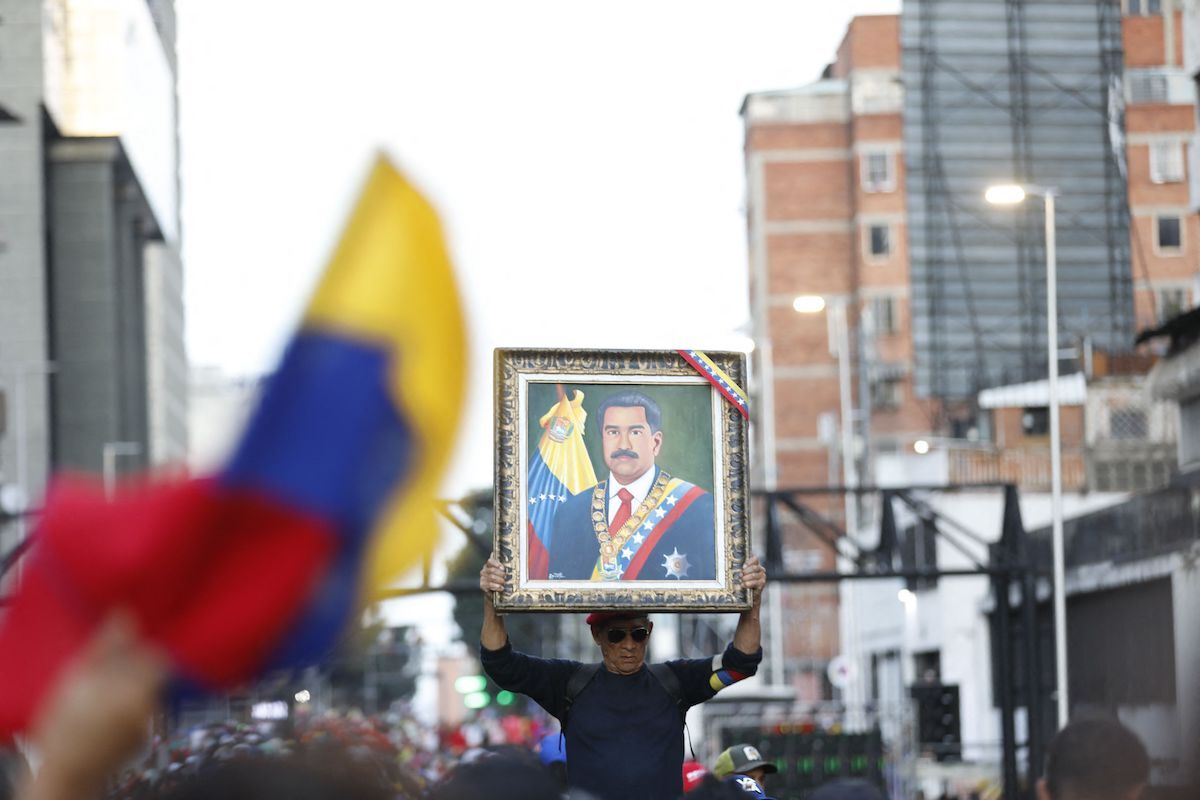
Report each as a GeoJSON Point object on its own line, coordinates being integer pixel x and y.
{"type": "Point", "coordinates": [621, 480]}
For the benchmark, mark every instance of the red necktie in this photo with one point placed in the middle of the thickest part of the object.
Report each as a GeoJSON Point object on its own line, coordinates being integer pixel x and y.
{"type": "Point", "coordinates": [623, 512]}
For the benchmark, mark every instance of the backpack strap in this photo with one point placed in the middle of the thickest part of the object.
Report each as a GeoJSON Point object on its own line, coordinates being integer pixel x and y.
{"type": "Point", "coordinates": [670, 683]}
{"type": "Point", "coordinates": [578, 681]}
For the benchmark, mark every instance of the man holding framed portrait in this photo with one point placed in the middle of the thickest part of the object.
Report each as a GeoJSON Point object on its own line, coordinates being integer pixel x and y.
{"type": "Point", "coordinates": [622, 719]}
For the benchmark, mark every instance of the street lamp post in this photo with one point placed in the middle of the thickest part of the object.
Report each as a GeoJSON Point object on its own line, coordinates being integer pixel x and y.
{"type": "Point", "coordinates": [1011, 194]}
{"type": "Point", "coordinates": [840, 340]}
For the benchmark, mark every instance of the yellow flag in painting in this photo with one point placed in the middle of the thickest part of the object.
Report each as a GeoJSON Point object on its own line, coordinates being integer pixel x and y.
{"type": "Point", "coordinates": [561, 467]}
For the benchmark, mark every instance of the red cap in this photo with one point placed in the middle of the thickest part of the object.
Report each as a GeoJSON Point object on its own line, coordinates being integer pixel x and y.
{"type": "Point", "coordinates": [601, 617]}
{"type": "Point", "coordinates": [693, 775]}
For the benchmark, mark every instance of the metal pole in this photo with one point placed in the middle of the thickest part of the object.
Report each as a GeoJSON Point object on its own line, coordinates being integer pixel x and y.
{"type": "Point", "coordinates": [1004, 686]}
{"type": "Point", "coordinates": [1060, 595]}
{"type": "Point", "coordinates": [855, 696]}
{"type": "Point", "coordinates": [775, 594]}
{"type": "Point", "coordinates": [849, 468]}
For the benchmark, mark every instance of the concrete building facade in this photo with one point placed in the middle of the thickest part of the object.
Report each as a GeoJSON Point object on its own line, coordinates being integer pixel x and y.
{"type": "Point", "coordinates": [92, 360]}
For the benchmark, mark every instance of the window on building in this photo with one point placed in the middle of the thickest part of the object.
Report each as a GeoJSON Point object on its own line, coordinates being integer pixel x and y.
{"type": "Point", "coordinates": [1146, 86]}
{"type": "Point", "coordinates": [886, 393]}
{"type": "Point", "coordinates": [879, 240]}
{"type": "Point", "coordinates": [1169, 234]}
{"type": "Point", "coordinates": [877, 172]}
{"type": "Point", "coordinates": [928, 666]}
{"type": "Point", "coordinates": [1166, 162]}
{"type": "Point", "coordinates": [1127, 424]}
{"type": "Point", "coordinates": [1035, 421]}
{"type": "Point", "coordinates": [1143, 8]}
{"type": "Point", "coordinates": [1170, 303]}
{"type": "Point", "coordinates": [883, 315]}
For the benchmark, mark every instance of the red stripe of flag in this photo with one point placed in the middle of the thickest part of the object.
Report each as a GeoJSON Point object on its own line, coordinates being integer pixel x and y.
{"type": "Point", "coordinates": [635, 565]}
{"type": "Point", "coordinates": [539, 557]}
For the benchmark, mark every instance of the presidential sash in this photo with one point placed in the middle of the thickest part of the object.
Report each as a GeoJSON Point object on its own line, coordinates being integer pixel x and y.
{"type": "Point", "coordinates": [623, 553]}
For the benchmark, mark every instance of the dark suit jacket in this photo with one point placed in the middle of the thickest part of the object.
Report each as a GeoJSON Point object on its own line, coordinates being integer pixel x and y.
{"type": "Point", "coordinates": [575, 549]}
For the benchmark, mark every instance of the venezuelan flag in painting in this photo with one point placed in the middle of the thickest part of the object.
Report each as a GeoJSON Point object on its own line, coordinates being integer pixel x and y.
{"type": "Point", "coordinates": [560, 468]}
{"type": "Point", "coordinates": [328, 496]}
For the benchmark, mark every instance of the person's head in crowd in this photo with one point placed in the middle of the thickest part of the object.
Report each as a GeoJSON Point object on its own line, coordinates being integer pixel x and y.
{"type": "Point", "coordinates": [14, 773]}
{"type": "Point", "coordinates": [743, 759]}
{"type": "Point", "coordinates": [847, 789]}
{"type": "Point", "coordinates": [552, 753]}
{"type": "Point", "coordinates": [1095, 759]}
{"type": "Point", "coordinates": [693, 775]}
{"type": "Point", "coordinates": [712, 788]}
{"type": "Point", "coordinates": [279, 779]}
{"type": "Point", "coordinates": [497, 778]}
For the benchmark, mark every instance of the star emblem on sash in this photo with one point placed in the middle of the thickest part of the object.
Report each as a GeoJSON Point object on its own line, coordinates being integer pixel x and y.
{"type": "Point", "coordinates": [676, 564]}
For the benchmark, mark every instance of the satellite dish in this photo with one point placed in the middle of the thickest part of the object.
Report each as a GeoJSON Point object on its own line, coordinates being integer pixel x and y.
{"type": "Point", "coordinates": [841, 671]}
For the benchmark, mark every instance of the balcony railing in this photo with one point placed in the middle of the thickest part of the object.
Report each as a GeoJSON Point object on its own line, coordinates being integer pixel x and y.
{"type": "Point", "coordinates": [1028, 468]}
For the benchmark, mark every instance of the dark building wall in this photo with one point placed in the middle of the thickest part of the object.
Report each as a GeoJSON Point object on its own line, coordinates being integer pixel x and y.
{"type": "Point", "coordinates": [1002, 92]}
{"type": "Point", "coordinates": [98, 226]}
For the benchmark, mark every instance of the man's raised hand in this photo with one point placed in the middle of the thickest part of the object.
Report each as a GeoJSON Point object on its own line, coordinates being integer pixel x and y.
{"type": "Point", "coordinates": [754, 575]}
{"type": "Point", "coordinates": [491, 577]}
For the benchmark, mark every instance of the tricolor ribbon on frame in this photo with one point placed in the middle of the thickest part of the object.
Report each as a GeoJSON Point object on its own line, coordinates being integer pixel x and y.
{"type": "Point", "coordinates": [718, 378]}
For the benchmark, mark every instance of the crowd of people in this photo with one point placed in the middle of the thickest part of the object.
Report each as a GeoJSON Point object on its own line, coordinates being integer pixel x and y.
{"type": "Point", "coordinates": [396, 757]}
{"type": "Point", "coordinates": [395, 750]}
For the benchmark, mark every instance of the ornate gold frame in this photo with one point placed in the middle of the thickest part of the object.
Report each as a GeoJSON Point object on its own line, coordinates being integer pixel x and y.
{"type": "Point", "coordinates": [513, 366]}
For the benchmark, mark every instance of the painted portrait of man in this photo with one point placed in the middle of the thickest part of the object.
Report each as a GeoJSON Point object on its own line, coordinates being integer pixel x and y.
{"type": "Point", "coordinates": [639, 521]}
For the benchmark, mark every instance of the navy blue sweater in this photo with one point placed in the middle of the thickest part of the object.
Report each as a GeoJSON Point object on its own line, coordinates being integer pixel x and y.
{"type": "Point", "coordinates": [625, 735]}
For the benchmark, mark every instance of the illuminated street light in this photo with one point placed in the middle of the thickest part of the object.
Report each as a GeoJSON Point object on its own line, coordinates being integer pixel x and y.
{"type": "Point", "coordinates": [1005, 194]}
{"type": "Point", "coordinates": [837, 317]}
{"type": "Point", "coordinates": [920, 447]}
{"type": "Point", "coordinates": [809, 303]}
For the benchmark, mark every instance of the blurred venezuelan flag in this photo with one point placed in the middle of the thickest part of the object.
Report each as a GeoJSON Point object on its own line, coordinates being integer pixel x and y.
{"type": "Point", "coordinates": [560, 468]}
{"type": "Point", "coordinates": [328, 496]}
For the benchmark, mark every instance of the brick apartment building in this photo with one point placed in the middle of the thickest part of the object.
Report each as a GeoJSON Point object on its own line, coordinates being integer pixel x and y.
{"type": "Point", "coordinates": [828, 214]}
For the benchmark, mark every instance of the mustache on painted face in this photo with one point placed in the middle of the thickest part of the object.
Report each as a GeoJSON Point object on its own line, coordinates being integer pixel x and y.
{"type": "Point", "coordinates": [622, 454]}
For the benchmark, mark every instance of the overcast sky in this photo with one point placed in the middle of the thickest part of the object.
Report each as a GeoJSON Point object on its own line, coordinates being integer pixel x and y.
{"type": "Point", "coordinates": [585, 158]}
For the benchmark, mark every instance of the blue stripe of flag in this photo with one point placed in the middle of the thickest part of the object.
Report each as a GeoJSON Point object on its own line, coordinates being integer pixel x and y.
{"type": "Point", "coordinates": [545, 496]}
{"type": "Point", "coordinates": [328, 441]}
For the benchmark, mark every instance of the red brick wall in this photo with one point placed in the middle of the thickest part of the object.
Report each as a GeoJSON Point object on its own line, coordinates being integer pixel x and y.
{"type": "Point", "coordinates": [773, 136]}
{"type": "Point", "coordinates": [1142, 38]}
{"type": "Point", "coordinates": [792, 194]}
{"type": "Point", "coordinates": [872, 42]}
{"type": "Point", "coordinates": [809, 263]}
{"type": "Point", "coordinates": [1158, 118]}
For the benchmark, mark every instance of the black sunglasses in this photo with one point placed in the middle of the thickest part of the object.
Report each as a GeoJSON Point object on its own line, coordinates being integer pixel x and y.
{"type": "Point", "coordinates": [617, 635]}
